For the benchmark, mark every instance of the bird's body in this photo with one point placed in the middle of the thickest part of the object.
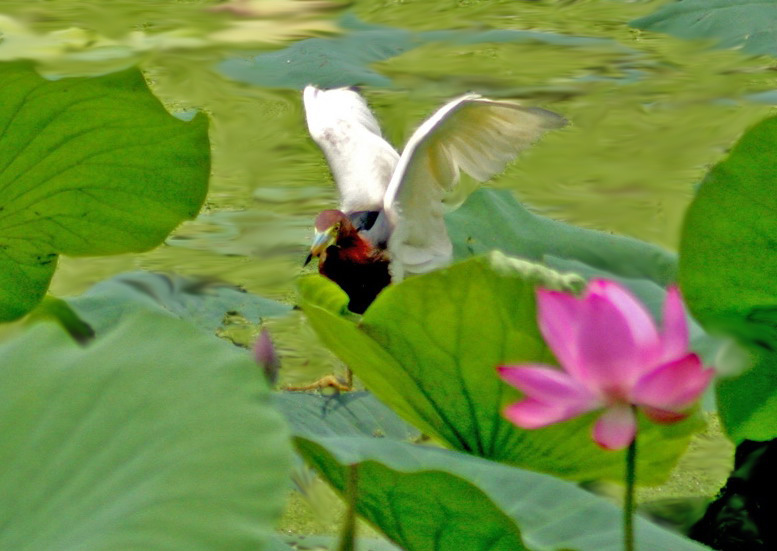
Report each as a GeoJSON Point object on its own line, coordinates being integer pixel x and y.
{"type": "Point", "coordinates": [362, 277]}
{"type": "Point", "coordinates": [390, 223]}
{"type": "Point", "coordinates": [353, 262]}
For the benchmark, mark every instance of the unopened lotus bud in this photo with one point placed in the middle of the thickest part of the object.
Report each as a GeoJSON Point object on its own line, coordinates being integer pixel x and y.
{"type": "Point", "coordinates": [266, 356]}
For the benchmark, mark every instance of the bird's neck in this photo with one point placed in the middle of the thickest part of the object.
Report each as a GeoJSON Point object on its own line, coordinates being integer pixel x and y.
{"type": "Point", "coordinates": [353, 247]}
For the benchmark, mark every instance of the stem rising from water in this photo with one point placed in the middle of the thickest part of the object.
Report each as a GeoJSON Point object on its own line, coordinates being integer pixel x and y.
{"type": "Point", "coordinates": [628, 502]}
{"type": "Point", "coordinates": [348, 531]}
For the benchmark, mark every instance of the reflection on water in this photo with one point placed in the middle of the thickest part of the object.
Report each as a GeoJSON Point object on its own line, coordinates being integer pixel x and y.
{"type": "Point", "coordinates": [649, 113]}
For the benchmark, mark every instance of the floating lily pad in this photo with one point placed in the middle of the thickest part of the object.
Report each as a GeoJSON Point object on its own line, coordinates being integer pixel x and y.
{"type": "Point", "coordinates": [201, 302]}
{"type": "Point", "coordinates": [492, 219]}
{"type": "Point", "coordinates": [747, 24]}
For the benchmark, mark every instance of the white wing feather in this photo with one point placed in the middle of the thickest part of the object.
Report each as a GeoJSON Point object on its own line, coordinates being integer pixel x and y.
{"type": "Point", "coordinates": [471, 133]}
{"type": "Point", "coordinates": [345, 129]}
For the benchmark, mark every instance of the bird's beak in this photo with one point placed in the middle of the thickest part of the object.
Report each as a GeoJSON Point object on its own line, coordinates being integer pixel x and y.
{"type": "Point", "coordinates": [321, 241]}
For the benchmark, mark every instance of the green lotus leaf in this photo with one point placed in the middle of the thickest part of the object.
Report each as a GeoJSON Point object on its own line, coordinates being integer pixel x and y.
{"type": "Point", "coordinates": [428, 348]}
{"type": "Point", "coordinates": [426, 498]}
{"type": "Point", "coordinates": [728, 262]}
{"type": "Point", "coordinates": [493, 220]}
{"type": "Point", "coordinates": [298, 542]}
{"type": "Point", "coordinates": [155, 437]}
{"type": "Point", "coordinates": [748, 402]}
{"type": "Point", "coordinates": [350, 413]}
{"type": "Point", "coordinates": [201, 302]}
{"type": "Point", "coordinates": [88, 166]}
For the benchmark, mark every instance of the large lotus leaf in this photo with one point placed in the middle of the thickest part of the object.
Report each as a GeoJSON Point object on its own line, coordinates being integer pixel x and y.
{"type": "Point", "coordinates": [55, 309]}
{"type": "Point", "coordinates": [298, 542]}
{"type": "Point", "coordinates": [416, 504]}
{"type": "Point", "coordinates": [728, 267]}
{"type": "Point", "coordinates": [428, 348]}
{"type": "Point", "coordinates": [201, 302]}
{"type": "Point", "coordinates": [88, 166]}
{"type": "Point", "coordinates": [493, 219]}
{"type": "Point", "coordinates": [430, 499]}
{"type": "Point", "coordinates": [747, 24]}
{"type": "Point", "coordinates": [154, 437]}
{"type": "Point", "coordinates": [748, 402]}
{"type": "Point", "coordinates": [350, 413]}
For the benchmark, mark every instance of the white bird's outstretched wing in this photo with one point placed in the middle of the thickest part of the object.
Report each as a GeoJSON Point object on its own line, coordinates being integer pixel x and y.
{"type": "Point", "coordinates": [471, 133]}
{"type": "Point", "coordinates": [345, 129]}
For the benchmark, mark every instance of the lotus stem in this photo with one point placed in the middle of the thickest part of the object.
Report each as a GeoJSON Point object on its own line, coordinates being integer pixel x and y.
{"type": "Point", "coordinates": [348, 531]}
{"type": "Point", "coordinates": [628, 502]}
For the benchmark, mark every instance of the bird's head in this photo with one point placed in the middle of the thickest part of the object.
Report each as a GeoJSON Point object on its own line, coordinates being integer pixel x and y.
{"type": "Point", "coordinates": [330, 226]}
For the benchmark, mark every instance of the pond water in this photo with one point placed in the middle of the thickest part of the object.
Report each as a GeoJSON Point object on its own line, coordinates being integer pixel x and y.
{"type": "Point", "coordinates": [649, 113]}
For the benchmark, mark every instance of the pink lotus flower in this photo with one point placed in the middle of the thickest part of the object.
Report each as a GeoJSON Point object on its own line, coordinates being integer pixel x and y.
{"type": "Point", "coordinates": [613, 358]}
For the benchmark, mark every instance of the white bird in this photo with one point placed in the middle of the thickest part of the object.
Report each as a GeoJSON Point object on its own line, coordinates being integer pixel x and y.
{"type": "Point", "coordinates": [390, 219]}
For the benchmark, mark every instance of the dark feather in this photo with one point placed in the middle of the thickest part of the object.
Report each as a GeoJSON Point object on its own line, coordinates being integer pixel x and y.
{"type": "Point", "coordinates": [361, 278]}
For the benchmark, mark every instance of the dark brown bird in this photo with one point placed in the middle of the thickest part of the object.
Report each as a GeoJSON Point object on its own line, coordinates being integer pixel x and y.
{"type": "Point", "coordinates": [390, 223]}
{"type": "Point", "coordinates": [349, 259]}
